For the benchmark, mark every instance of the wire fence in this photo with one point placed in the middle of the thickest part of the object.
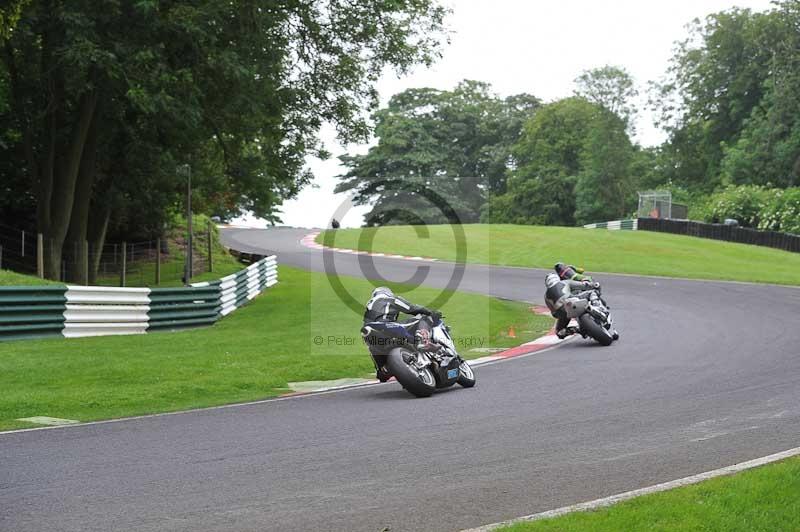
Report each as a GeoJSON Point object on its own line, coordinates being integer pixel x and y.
{"type": "Point", "coordinates": [148, 263]}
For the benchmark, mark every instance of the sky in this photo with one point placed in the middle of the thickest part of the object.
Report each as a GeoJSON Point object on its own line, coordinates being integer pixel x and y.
{"type": "Point", "coordinates": [532, 46]}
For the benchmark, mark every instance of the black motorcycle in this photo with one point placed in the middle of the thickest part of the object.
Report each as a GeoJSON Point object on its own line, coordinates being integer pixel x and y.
{"type": "Point", "coordinates": [393, 349]}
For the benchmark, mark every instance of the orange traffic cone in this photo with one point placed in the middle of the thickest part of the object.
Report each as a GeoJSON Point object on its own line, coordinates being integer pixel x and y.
{"type": "Point", "coordinates": [511, 332]}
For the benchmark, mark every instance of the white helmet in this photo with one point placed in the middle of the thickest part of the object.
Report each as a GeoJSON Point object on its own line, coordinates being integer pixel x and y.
{"type": "Point", "coordinates": [551, 280]}
{"type": "Point", "coordinates": [382, 290]}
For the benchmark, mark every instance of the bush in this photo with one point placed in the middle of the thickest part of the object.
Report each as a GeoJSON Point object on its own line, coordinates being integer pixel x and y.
{"type": "Point", "coordinates": [746, 203]}
{"type": "Point", "coordinates": [782, 213]}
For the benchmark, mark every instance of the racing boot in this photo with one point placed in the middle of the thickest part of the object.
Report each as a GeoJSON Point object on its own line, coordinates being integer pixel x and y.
{"type": "Point", "coordinates": [566, 331]}
{"type": "Point", "coordinates": [382, 375]}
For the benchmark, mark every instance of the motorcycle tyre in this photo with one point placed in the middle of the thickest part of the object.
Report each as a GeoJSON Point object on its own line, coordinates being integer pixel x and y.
{"type": "Point", "coordinates": [466, 380]}
{"type": "Point", "coordinates": [409, 377]}
{"type": "Point", "coordinates": [590, 326]}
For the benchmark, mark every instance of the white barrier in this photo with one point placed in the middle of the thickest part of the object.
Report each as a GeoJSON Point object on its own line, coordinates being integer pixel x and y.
{"type": "Point", "coordinates": [101, 311]}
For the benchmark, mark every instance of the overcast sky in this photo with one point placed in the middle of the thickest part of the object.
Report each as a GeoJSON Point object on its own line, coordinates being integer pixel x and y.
{"type": "Point", "coordinates": [532, 46]}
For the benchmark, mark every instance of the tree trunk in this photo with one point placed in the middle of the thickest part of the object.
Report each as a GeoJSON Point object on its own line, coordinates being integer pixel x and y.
{"type": "Point", "coordinates": [98, 228]}
{"type": "Point", "coordinates": [62, 192]}
{"type": "Point", "coordinates": [79, 218]}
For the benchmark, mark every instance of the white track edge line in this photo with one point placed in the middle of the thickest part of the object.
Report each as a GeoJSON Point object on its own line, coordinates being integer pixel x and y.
{"type": "Point", "coordinates": [298, 395]}
{"type": "Point", "coordinates": [664, 486]}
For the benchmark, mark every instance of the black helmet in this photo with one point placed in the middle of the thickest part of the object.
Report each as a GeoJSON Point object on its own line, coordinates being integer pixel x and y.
{"type": "Point", "coordinates": [564, 271]}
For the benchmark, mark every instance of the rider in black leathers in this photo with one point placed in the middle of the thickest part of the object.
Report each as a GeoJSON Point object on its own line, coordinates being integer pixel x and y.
{"type": "Point", "coordinates": [384, 305]}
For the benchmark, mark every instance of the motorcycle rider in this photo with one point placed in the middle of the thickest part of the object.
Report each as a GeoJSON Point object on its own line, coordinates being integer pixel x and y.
{"type": "Point", "coordinates": [384, 305]}
{"type": "Point", "coordinates": [570, 272]}
{"type": "Point", "coordinates": [559, 293]}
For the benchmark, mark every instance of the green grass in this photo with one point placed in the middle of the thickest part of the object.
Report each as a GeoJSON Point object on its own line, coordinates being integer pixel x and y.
{"type": "Point", "coordinates": [251, 354]}
{"type": "Point", "coordinates": [9, 278]}
{"type": "Point", "coordinates": [634, 252]}
{"type": "Point", "coordinates": [763, 499]}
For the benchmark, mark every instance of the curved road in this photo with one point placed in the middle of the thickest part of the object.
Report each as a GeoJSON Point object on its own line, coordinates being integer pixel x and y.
{"type": "Point", "coordinates": [706, 375]}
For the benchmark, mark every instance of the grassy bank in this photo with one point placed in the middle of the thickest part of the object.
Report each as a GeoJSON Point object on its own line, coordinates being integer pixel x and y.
{"type": "Point", "coordinates": [9, 278]}
{"type": "Point", "coordinates": [634, 252]}
{"type": "Point", "coordinates": [251, 354]}
{"type": "Point", "coordinates": [763, 499]}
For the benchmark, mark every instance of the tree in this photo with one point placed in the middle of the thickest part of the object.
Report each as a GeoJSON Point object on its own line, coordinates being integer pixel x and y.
{"type": "Point", "coordinates": [715, 81]}
{"type": "Point", "coordinates": [611, 87]}
{"type": "Point", "coordinates": [455, 143]}
{"type": "Point", "coordinates": [239, 89]}
{"type": "Point", "coordinates": [767, 151]}
{"type": "Point", "coordinates": [572, 164]}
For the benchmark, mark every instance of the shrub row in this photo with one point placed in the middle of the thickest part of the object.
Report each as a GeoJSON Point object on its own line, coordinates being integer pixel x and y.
{"type": "Point", "coordinates": [757, 207]}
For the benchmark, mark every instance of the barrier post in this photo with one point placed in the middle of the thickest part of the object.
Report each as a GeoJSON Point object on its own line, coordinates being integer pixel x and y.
{"type": "Point", "coordinates": [158, 261]}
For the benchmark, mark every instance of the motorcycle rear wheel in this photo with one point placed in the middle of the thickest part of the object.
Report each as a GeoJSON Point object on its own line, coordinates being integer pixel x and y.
{"type": "Point", "coordinates": [419, 382]}
{"type": "Point", "coordinates": [596, 330]}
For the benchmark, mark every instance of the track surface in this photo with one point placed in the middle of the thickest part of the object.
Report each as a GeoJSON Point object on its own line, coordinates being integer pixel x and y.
{"type": "Point", "coordinates": [706, 375]}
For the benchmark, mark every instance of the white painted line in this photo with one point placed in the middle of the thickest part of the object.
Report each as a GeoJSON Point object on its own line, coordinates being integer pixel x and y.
{"type": "Point", "coordinates": [52, 421]}
{"type": "Point", "coordinates": [614, 499]}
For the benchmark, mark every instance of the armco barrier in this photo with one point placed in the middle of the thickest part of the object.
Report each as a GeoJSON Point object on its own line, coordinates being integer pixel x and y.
{"type": "Point", "coordinates": [616, 225]}
{"type": "Point", "coordinates": [103, 311]}
{"type": "Point", "coordinates": [176, 308]}
{"type": "Point", "coordinates": [73, 311]}
{"type": "Point", "coordinates": [729, 233]}
{"type": "Point", "coordinates": [31, 311]}
{"type": "Point", "coordinates": [238, 288]}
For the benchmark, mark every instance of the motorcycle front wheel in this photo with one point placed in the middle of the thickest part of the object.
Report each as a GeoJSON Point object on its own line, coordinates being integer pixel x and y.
{"type": "Point", "coordinates": [419, 382]}
{"type": "Point", "coordinates": [466, 377]}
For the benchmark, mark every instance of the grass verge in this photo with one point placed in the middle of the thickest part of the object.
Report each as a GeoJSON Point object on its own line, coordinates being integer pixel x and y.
{"type": "Point", "coordinates": [9, 278]}
{"type": "Point", "coordinates": [762, 499]}
{"type": "Point", "coordinates": [634, 252]}
{"type": "Point", "coordinates": [251, 354]}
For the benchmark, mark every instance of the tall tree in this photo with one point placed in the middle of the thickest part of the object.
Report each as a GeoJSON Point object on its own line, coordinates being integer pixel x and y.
{"type": "Point", "coordinates": [456, 143]}
{"type": "Point", "coordinates": [611, 87]}
{"type": "Point", "coordinates": [714, 82]}
{"type": "Point", "coordinates": [572, 164]}
{"type": "Point", "coordinates": [237, 88]}
{"type": "Point", "coordinates": [767, 150]}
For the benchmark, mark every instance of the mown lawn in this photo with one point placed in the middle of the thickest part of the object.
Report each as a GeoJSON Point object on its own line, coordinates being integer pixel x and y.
{"type": "Point", "coordinates": [251, 354]}
{"type": "Point", "coordinates": [634, 252]}
{"type": "Point", "coordinates": [766, 499]}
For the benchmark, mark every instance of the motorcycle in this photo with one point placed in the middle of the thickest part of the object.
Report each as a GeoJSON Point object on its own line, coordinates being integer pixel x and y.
{"type": "Point", "coordinates": [393, 349]}
{"type": "Point", "coordinates": [593, 316]}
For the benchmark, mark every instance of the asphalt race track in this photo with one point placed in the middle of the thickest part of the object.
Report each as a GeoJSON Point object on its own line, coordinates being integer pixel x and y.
{"type": "Point", "coordinates": [705, 375]}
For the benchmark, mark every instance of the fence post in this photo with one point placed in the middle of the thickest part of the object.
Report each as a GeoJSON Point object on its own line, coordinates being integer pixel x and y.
{"type": "Point", "coordinates": [85, 263]}
{"type": "Point", "coordinates": [40, 255]}
{"type": "Point", "coordinates": [208, 235]}
{"type": "Point", "coordinates": [1, 257]}
{"type": "Point", "coordinates": [158, 262]}
{"type": "Point", "coordinates": [124, 260]}
{"type": "Point", "coordinates": [23, 244]}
